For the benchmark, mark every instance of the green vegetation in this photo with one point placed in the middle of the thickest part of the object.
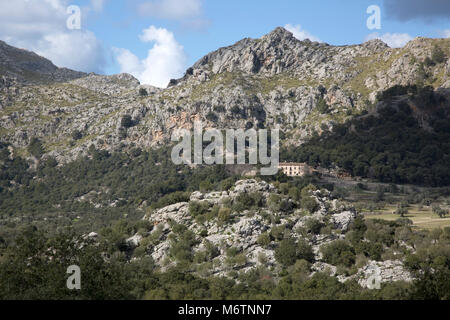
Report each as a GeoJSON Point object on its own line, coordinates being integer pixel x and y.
{"type": "Point", "coordinates": [438, 55]}
{"type": "Point", "coordinates": [143, 92]}
{"type": "Point", "coordinates": [391, 146]}
{"type": "Point", "coordinates": [126, 121]}
{"type": "Point", "coordinates": [36, 148]}
{"type": "Point", "coordinates": [93, 191]}
{"type": "Point", "coordinates": [339, 252]}
{"type": "Point", "coordinates": [44, 275]}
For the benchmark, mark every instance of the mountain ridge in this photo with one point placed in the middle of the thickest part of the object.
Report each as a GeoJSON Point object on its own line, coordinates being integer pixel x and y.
{"type": "Point", "coordinates": [29, 68]}
{"type": "Point", "coordinates": [273, 81]}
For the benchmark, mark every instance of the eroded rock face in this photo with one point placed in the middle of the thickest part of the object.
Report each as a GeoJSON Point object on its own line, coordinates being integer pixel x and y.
{"type": "Point", "coordinates": [378, 272]}
{"type": "Point", "coordinates": [272, 82]}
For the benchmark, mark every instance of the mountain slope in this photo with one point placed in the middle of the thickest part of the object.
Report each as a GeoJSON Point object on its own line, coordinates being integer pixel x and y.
{"type": "Point", "coordinates": [27, 67]}
{"type": "Point", "coordinates": [274, 81]}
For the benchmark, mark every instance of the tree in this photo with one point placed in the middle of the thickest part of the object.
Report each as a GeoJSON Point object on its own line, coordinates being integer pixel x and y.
{"type": "Point", "coordinates": [437, 55]}
{"type": "Point", "coordinates": [286, 253]}
{"type": "Point", "coordinates": [143, 92]}
{"type": "Point", "coordinates": [380, 194]}
{"type": "Point", "coordinates": [35, 148]}
{"type": "Point", "coordinates": [322, 106]}
{"type": "Point", "coordinates": [402, 210]}
{"type": "Point", "coordinates": [338, 252]}
{"type": "Point", "coordinates": [127, 121]}
{"type": "Point", "coordinates": [305, 251]}
{"type": "Point", "coordinates": [439, 211]}
{"type": "Point", "coordinates": [35, 268]}
{"type": "Point", "coordinates": [77, 135]}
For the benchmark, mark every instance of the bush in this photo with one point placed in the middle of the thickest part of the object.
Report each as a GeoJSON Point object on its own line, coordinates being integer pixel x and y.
{"type": "Point", "coordinates": [322, 106]}
{"type": "Point", "coordinates": [35, 148]}
{"type": "Point", "coordinates": [304, 251]}
{"type": "Point", "coordinates": [224, 214]}
{"type": "Point", "coordinates": [313, 226]}
{"type": "Point", "coordinates": [171, 198]}
{"type": "Point", "coordinates": [127, 121]}
{"type": "Point", "coordinates": [437, 55]}
{"type": "Point", "coordinates": [310, 204]}
{"type": "Point", "coordinates": [77, 135]}
{"type": "Point", "coordinates": [286, 253]}
{"type": "Point", "coordinates": [263, 240]}
{"type": "Point", "coordinates": [211, 116]}
{"type": "Point", "coordinates": [277, 233]}
{"type": "Point", "coordinates": [143, 92]}
{"type": "Point", "coordinates": [338, 252]}
{"type": "Point", "coordinates": [247, 201]}
{"type": "Point", "coordinates": [198, 208]}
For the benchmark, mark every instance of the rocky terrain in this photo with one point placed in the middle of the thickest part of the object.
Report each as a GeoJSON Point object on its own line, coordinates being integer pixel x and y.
{"type": "Point", "coordinates": [274, 81]}
{"type": "Point", "coordinates": [226, 241]}
{"type": "Point", "coordinates": [25, 67]}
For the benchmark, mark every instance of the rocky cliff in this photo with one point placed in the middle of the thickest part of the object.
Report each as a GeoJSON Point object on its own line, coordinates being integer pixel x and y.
{"type": "Point", "coordinates": [274, 81]}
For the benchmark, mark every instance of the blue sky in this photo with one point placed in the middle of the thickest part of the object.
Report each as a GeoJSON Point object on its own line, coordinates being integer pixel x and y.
{"type": "Point", "coordinates": [189, 29]}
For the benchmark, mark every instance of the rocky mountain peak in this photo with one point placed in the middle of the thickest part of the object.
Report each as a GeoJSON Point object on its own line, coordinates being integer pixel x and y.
{"type": "Point", "coordinates": [278, 35]}
{"type": "Point", "coordinates": [376, 45]}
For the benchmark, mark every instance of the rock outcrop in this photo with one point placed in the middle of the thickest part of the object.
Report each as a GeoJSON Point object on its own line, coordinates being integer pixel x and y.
{"type": "Point", "coordinates": [241, 242]}
{"type": "Point", "coordinates": [276, 81]}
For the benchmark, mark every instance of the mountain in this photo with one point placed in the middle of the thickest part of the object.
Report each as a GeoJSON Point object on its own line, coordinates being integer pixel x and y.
{"type": "Point", "coordinates": [275, 81]}
{"type": "Point", "coordinates": [28, 67]}
{"type": "Point", "coordinates": [86, 176]}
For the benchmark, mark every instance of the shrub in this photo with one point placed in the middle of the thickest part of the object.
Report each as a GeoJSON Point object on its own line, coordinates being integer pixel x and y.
{"type": "Point", "coordinates": [437, 55]}
{"type": "Point", "coordinates": [246, 201]}
{"type": "Point", "coordinates": [263, 239]}
{"type": "Point", "coordinates": [211, 116]}
{"type": "Point", "coordinates": [277, 232]}
{"type": "Point", "coordinates": [322, 106]}
{"type": "Point", "coordinates": [172, 198]}
{"type": "Point", "coordinates": [127, 121]}
{"type": "Point", "coordinates": [338, 252]}
{"type": "Point", "coordinates": [286, 252]}
{"type": "Point", "coordinates": [224, 214]}
{"type": "Point", "coordinates": [198, 208]}
{"type": "Point", "coordinates": [77, 135]}
{"type": "Point", "coordinates": [35, 148]}
{"type": "Point", "coordinates": [304, 251]}
{"type": "Point", "coordinates": [313, 226]}
{"type": "Point", "coordinates": [310, 204]}
{"type": "Point", "coordinates": [143, 92]}
{"type": "Point", "coordinates": [370, 249]}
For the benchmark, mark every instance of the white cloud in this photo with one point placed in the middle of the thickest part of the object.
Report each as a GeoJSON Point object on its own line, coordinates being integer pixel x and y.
{"type": "Point", "coordinates": [98, 5]}
{"type": "Point", "coordinates": [300, 33]}
{"type": "Point", "coordinates": [393, 40]}
{"type": "Point", "coordinates": [40, 26]}
{"type": "Point", "coordinates": [446, 33]}
{"type": "Point", "coordinates": [165, 60]}
{"type": "Point", "coordinates": [171, 9]}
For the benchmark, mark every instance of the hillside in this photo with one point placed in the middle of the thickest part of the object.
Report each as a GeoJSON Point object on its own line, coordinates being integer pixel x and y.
{"type": "Point", "coordinates": [86, 176]}
{"type": "Point", "coordinates": [26, 67]}
{"type": "Point", "coordinates": [274, 81]}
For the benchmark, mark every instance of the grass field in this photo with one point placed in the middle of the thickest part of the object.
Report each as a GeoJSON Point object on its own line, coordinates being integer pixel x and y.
{"type": "Point", "coordinates": [422, 218]}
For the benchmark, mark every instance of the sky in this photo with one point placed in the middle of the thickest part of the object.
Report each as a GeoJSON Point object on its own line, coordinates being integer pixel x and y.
{"type": "Point", "coordinates": [157, 40]}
